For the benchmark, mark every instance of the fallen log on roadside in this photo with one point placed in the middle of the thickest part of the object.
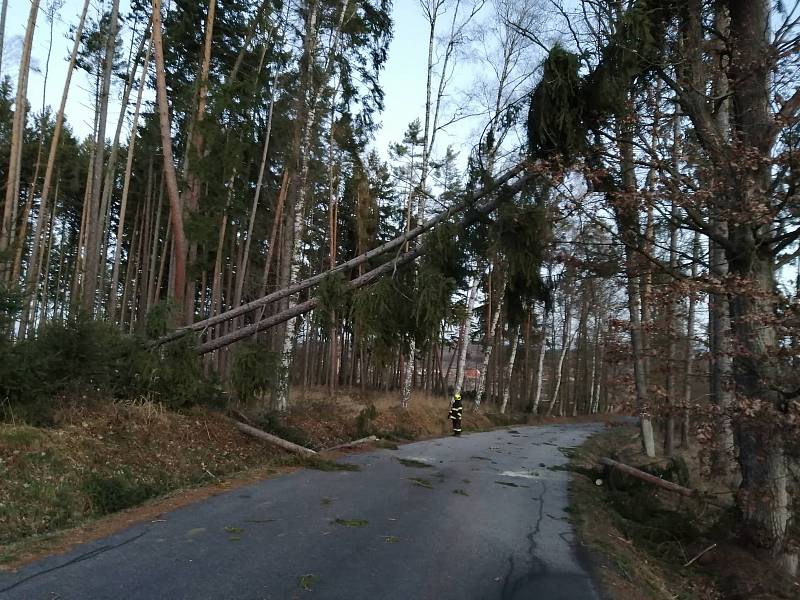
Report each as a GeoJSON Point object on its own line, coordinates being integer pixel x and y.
{"type": "Point", "coordinates": [648, 478]}
{"type": "Point", "coordinates": [366, 440]}
{"type": "Point", "coordinates": [275, 440]}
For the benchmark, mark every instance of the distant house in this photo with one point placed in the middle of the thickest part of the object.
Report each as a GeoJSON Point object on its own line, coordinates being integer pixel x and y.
{"type": "Point", "coordinates": [472, 374]}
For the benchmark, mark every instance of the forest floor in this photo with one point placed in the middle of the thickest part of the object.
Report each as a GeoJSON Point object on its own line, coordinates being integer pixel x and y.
{"type": "Point", "coordinates": [650, 543]}
{"type": "Point", "coordinates": [100, 468]}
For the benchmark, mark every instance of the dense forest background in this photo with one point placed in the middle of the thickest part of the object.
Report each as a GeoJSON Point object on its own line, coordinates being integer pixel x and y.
{"type": "Point", "coordinates": [620, 232]}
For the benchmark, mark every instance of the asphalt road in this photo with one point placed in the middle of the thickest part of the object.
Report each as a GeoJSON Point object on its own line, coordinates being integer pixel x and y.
{"type": "Point", "coordinates": [484, 519]}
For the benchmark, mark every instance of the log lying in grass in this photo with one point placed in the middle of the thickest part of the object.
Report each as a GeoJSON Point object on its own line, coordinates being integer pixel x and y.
{"type": "Point", "coordinates": [648, 478]}
{"type": "Point", "coordinates": [366, 440]}
{"type": "Point", "coordinates": [275, 440]}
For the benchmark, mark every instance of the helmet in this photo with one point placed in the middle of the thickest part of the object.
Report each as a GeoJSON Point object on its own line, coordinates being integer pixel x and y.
{"type": "Point", "coordinates": [457, 396]}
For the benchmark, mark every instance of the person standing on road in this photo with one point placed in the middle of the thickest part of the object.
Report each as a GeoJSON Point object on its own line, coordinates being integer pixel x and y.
{"type": "Point", "coordinates": [456, 412]}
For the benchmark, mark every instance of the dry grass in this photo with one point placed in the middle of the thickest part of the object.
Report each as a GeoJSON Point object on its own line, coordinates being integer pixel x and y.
{"type": "Point", "coordinates": [97, 460]}
{"type": "Point", "coordinates": [103, 460]}
{"type": "Point", "coordinates": [651, 544]}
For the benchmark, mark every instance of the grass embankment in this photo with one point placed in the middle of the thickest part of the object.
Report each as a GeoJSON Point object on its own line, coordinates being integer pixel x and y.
{"type": "Point", "coordinates": [650, 543]}
{"type": "Point", "coordinates": [92, 461]}
{"type": "Point", "coordinates": [115, 456]}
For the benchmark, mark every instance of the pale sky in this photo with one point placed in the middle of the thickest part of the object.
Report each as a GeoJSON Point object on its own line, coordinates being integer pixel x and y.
{"type": "Point", "coordinates": [403, 79]}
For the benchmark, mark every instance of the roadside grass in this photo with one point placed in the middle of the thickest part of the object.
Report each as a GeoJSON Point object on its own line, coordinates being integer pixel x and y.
{"type": "Point", "coordinates": [116, 457]}
{"type": "Point", "coordinates": [651, 544]}
{"type": "Point", "coordinates": [96, 465]}
{"type": "Point", "coordinates": [627, 570]}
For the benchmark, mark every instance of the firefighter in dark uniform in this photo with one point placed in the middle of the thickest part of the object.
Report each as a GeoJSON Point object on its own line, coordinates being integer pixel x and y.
{"type": "Point", "coordinates": [456, 412]}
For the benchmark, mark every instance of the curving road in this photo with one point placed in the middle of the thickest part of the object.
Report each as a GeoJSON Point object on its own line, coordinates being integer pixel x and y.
{"type": "Point", "coordinates": [481, 516]}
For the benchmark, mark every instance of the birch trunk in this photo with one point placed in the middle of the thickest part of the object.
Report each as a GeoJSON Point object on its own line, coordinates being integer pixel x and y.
{"type": "Point", "coordinates": [721, 346]}
{"type": "Point", "coordinates": [150, 289]}
{"type": "Point", "coordinates": [672, 332]}
{"type": "Point", "coordinates": [566, 341]}
{"type": "Point", "coordinates": [487, 353]}
{"type": "Point", "coordinates": [464, 336]}
{"type": "Point", "coordinates": [689, 371]}
{"type": "Point", "coordinates": [597, 367]}
{"type": "Point", "coordinates": [240, 276]}
{"type": "Point", "coordinates": [540, 367]}
{"type": "Point", "coordinates": [628, 220]}
{"type": "Point", "coordinates": [295, 254]}
{"type": "Point", "coordinates": [510, 371]}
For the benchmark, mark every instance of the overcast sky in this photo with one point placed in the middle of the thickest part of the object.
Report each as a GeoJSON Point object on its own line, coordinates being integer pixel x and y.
{"type": "Point", "coordinates": [403, 79]}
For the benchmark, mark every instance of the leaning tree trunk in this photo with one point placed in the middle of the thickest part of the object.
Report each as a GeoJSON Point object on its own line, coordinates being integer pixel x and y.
{"type": "Point", "coordinates": [17, 139]}
{"type": "Point", "coordinates": [112, 296]}
{"type": "Point", "coordinates": [111, 166]}
{"type": "Point", "coordinates": [94, 223]}
{"type": "Point", "coordinates": [176, 208]}
{"type": "Point", "coordinates": [198, 149]}
{"type": "Point", "coordinates": [32, 275]}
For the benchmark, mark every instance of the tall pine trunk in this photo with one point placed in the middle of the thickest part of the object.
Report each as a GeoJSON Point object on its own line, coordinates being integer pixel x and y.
{"type": "Point", "coordinates": [17, 139]}
{"type": "Point", "coordinates": [94, 222]}
{"type": "Point", "coordinates": [178, 263]}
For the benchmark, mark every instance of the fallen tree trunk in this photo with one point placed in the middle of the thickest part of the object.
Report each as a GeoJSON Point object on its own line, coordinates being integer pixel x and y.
{"type": "Point", "coordinates": [366, 278]}
{"type": "Point", "coordinates": [275, 440]}
{"type": "Point", "coordinates": [366, 440]}
{"type": "Point", "coordinates": [302, 308]}
{"type": "Point", "coordinates": [648, 478]}
{"type": "Point", "coordinates": [394, 244]}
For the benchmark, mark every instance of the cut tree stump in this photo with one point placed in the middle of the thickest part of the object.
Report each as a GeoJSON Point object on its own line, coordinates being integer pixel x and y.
{"type": "Point", "coordinates": [648, 478]}
{"type": "Point", "coordinates": [275, 440]}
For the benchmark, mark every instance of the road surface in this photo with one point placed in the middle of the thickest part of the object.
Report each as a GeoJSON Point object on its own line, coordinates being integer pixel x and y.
{"type": "Point", "coordinates": [481, 516]}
